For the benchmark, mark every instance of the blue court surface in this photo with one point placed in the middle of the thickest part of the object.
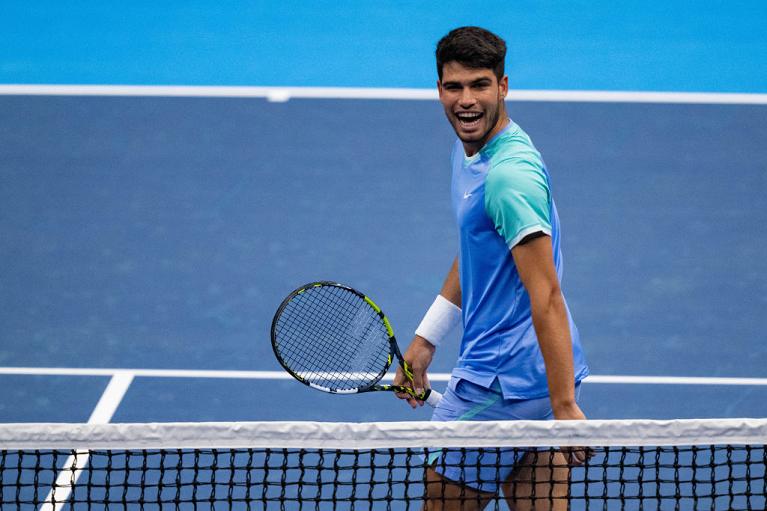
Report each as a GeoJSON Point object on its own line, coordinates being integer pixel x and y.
{"type": "Point", "coordinates": [147, 240]}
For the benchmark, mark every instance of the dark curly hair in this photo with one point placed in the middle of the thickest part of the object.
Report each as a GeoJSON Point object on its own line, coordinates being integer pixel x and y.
{"type": "Point", "coordinates": [472, 47]}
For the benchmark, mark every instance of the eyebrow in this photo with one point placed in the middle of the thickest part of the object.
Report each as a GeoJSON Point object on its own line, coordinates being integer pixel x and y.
{"type": "Point", "coordinates": [478, 81]}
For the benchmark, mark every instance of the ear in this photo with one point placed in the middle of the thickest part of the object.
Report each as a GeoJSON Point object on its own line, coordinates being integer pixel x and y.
{"type": "Point", "coordinates": [504, 85]}
{"type": "Point", "coordinates": [439, 87]}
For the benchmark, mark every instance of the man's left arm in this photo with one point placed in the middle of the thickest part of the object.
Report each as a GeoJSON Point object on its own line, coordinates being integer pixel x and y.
{"type": "Point", "coordinates": [534, 259]}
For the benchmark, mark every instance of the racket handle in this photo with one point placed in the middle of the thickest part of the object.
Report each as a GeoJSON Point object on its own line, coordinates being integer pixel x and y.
{"type": "Point", "coordinates": [433, 398]}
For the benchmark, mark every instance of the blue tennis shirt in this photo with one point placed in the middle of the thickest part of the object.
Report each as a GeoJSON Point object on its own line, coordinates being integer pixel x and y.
{"type": "Point", "coordinates": [500, 195]}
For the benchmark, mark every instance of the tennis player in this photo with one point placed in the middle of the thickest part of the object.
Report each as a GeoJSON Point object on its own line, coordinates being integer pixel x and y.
{"type": "Point", "coordinates": [520, 355]}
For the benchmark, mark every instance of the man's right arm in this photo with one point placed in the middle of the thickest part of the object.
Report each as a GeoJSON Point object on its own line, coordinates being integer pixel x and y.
{"type": "Point", "coordinates": [420, 352]}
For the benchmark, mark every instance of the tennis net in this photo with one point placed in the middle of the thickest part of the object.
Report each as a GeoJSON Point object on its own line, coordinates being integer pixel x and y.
{"type": "Point", "coordinates": [683, 464]}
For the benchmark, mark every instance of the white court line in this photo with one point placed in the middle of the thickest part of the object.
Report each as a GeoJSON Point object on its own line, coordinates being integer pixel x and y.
{"type": "Point", "coordinates": [282, 375]}
{"type": "Point", "coordinates": [74, 465]}
{"type": "Point", "coordinates": [281, 94]}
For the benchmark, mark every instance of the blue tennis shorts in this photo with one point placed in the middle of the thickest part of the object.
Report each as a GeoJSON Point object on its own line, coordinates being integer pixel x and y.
{"type": "Point", "coordinates": [483, 470]}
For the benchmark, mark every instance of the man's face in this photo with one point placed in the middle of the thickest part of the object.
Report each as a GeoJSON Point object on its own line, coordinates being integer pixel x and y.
{"type": "Point", "coordinates": [473, 100]}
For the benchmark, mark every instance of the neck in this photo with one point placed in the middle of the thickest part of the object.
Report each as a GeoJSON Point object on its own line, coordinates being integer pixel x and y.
{"type": "Point", "coordinates": [472, 148]}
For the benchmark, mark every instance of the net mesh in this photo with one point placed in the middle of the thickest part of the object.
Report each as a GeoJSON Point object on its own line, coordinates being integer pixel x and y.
{"type": "Point", "coordinates": [724, 475]}
{"type": "Point", "coordinates": [331, 337]}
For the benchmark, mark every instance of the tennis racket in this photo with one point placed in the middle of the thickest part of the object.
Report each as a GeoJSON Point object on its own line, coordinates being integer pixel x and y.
{"type": "Point", "coordinates": [335, 339]}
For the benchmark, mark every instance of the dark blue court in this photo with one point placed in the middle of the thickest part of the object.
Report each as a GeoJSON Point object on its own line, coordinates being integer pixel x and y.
{"type": "Point", "coordinates": [163, 232]}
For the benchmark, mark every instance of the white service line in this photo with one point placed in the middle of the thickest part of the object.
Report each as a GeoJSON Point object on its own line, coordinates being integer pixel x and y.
{"type": "Point", "coordinates": [676, 380]}
{"type": "Point", "coordinates": [282, 375]}
{"type": "Point", "coordinates": [279, 94]}
{"type": "Point", "coordinates": [75, 463]}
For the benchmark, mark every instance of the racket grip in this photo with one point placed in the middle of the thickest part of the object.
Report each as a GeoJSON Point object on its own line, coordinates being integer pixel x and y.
{"type": "Point", "coordinates": [433, 398]}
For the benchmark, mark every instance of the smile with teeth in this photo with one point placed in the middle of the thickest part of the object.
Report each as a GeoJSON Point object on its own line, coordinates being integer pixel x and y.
{"type": "Point", "coordinates": [469, 119]}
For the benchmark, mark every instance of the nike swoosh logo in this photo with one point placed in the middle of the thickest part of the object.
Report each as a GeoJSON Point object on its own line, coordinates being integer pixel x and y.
{"type": "Point", "coordinates": [466, 195]}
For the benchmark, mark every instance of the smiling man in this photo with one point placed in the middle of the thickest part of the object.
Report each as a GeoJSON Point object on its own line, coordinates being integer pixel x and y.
{"type": "Point", "coordinates": [520, 355]}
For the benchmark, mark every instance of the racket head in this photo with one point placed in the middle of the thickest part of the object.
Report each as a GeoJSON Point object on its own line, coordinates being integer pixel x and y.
{"type": "Point", "coordinates": [333, 338]}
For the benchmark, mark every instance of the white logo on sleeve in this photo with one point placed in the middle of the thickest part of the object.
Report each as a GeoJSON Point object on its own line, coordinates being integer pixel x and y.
{"type": "Point", "coordinates": [466, 195]}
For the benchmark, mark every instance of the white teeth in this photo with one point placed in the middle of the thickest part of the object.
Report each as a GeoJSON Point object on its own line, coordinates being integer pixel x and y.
{"type": "Point", "coordinates": [468, 117]}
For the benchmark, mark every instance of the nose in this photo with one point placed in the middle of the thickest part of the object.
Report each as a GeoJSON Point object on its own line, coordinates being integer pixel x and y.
{"type": "Point", "coordinates": [467, 98]}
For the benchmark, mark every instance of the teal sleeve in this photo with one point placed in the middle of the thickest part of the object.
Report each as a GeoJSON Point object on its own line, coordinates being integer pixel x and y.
{"type": "Point", "coordinates": [517, 199]}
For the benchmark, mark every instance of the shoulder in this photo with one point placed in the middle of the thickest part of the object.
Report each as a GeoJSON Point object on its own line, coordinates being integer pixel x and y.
{"type": "Point", "coordinates": [515, 162]}
{"type": "Point", "coordinates": [515, 143]}
{"type": "Point", "coordinates": [519, 174]}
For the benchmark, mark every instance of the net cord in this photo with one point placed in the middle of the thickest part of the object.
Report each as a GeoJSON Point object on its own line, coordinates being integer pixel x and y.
{"type": "Point", "coordinates": [341, 435]}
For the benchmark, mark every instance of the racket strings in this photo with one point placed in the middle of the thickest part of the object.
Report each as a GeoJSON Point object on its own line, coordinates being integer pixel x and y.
{"type": "Point", "coordinates": [335, 352]}
{"type": "Point", "coordinates": [331, 337]}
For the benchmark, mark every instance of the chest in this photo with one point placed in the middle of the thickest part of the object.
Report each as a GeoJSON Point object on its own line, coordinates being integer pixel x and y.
{"type": "Point", "coordinates": [468, 196]}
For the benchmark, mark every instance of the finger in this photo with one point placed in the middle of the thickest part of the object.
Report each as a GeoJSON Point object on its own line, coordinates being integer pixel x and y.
{"type": "Point", "coordinates": [409, 394]}
{"type": "Point", "coordinates": [577, 455]}
{"type": "Point", "coordinates": [409, 398]}
{"type": "Point", "coordinates": [399, 377]}
{"type": "Point", "coordinates": [405, 392]}
{"type": "Point", "coordinates": [584, 454]}
{"type": "Point", "coordinates": [402, 392]}
{"type": "Point", "coordinates": [407, 371]}
{"type": "Point", "coordinates": [420, 382]}
{"type": "Point", "coordinates": [401, 381]}
{"type": "Point", "coordinates": [426, 382]}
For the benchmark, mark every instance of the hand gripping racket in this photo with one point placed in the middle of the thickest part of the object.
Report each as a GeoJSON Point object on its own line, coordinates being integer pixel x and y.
{"type": "Point", "coordinates": [335, 339]}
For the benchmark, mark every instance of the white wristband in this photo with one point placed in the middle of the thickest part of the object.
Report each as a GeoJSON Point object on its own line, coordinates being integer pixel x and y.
{"type": "Point", "coordinates": [439, 320]}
